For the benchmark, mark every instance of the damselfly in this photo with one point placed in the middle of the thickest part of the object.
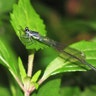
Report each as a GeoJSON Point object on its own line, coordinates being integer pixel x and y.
{"type": "Point", "coordinates": [65, 52]}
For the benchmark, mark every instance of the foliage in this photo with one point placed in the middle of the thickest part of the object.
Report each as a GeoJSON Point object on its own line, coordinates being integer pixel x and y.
{"type": "Point", "coordinates": [24, 15]}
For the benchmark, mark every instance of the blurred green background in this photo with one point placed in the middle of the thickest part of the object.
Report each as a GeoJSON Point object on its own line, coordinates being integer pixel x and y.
{"type": "Point", "coordinates": [66, 21]}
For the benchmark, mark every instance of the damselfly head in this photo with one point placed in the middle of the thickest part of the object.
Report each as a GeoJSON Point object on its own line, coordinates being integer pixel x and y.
{"type": "Point", "coordinates": [26, 29]}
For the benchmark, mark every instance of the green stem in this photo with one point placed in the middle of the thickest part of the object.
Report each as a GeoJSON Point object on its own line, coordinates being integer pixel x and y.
{"type": "Point", "coordinates": [27, 94]}
{"type": "Point", "coordinates": [29, 74]}
{"type": "Point", "coordinates": [18, 81]}
{"type": "Point", "coordinates": [30, 65]}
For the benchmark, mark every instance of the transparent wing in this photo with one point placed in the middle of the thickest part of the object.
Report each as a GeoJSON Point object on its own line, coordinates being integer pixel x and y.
{"type": "Point", "coordinates": [73, 55]}
{"type": "Point", "coordinates": [67, 53]}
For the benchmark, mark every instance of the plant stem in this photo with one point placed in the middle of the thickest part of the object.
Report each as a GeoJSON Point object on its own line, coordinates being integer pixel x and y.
{"type": "Point", "coordinates": [18, 81]}
{"type": "Point", "coordinates": [27, 94]}
{"type": "Point", "coordinates": [39, 82]}
{"type": "Point", "coordinates": [29, 74]}
{"type": "Point", "coordinates": [30, 65]}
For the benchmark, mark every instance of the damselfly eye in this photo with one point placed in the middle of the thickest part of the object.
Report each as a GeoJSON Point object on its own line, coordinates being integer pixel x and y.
{"type": "Point", "coordinates": [26, 29]}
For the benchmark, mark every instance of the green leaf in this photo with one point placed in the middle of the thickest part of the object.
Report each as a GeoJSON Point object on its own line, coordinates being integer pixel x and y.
{"type": "Point", "coordinates": [70, 91]}
{"type": "Point", "coordinates": [35, 84]}
{"type": "Point", "coordinates": [59, 65]}
{"type": "Point", "coordinates": [24, 15]}
{"type": "Point", "coordinates": [49, 88]}
{"type": "Point", "coordinates": [53, 66]}
{"type": "Point", "coordinates": [22, 69]}
{"type": "Point", "coordinates": [7, 57]}
{"type": "Point", "coordinates": [89, 91]}
{"type": "Point", "coordinates": [75, 91]}
{"type": "Point", "coordinates": [36, 76]}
